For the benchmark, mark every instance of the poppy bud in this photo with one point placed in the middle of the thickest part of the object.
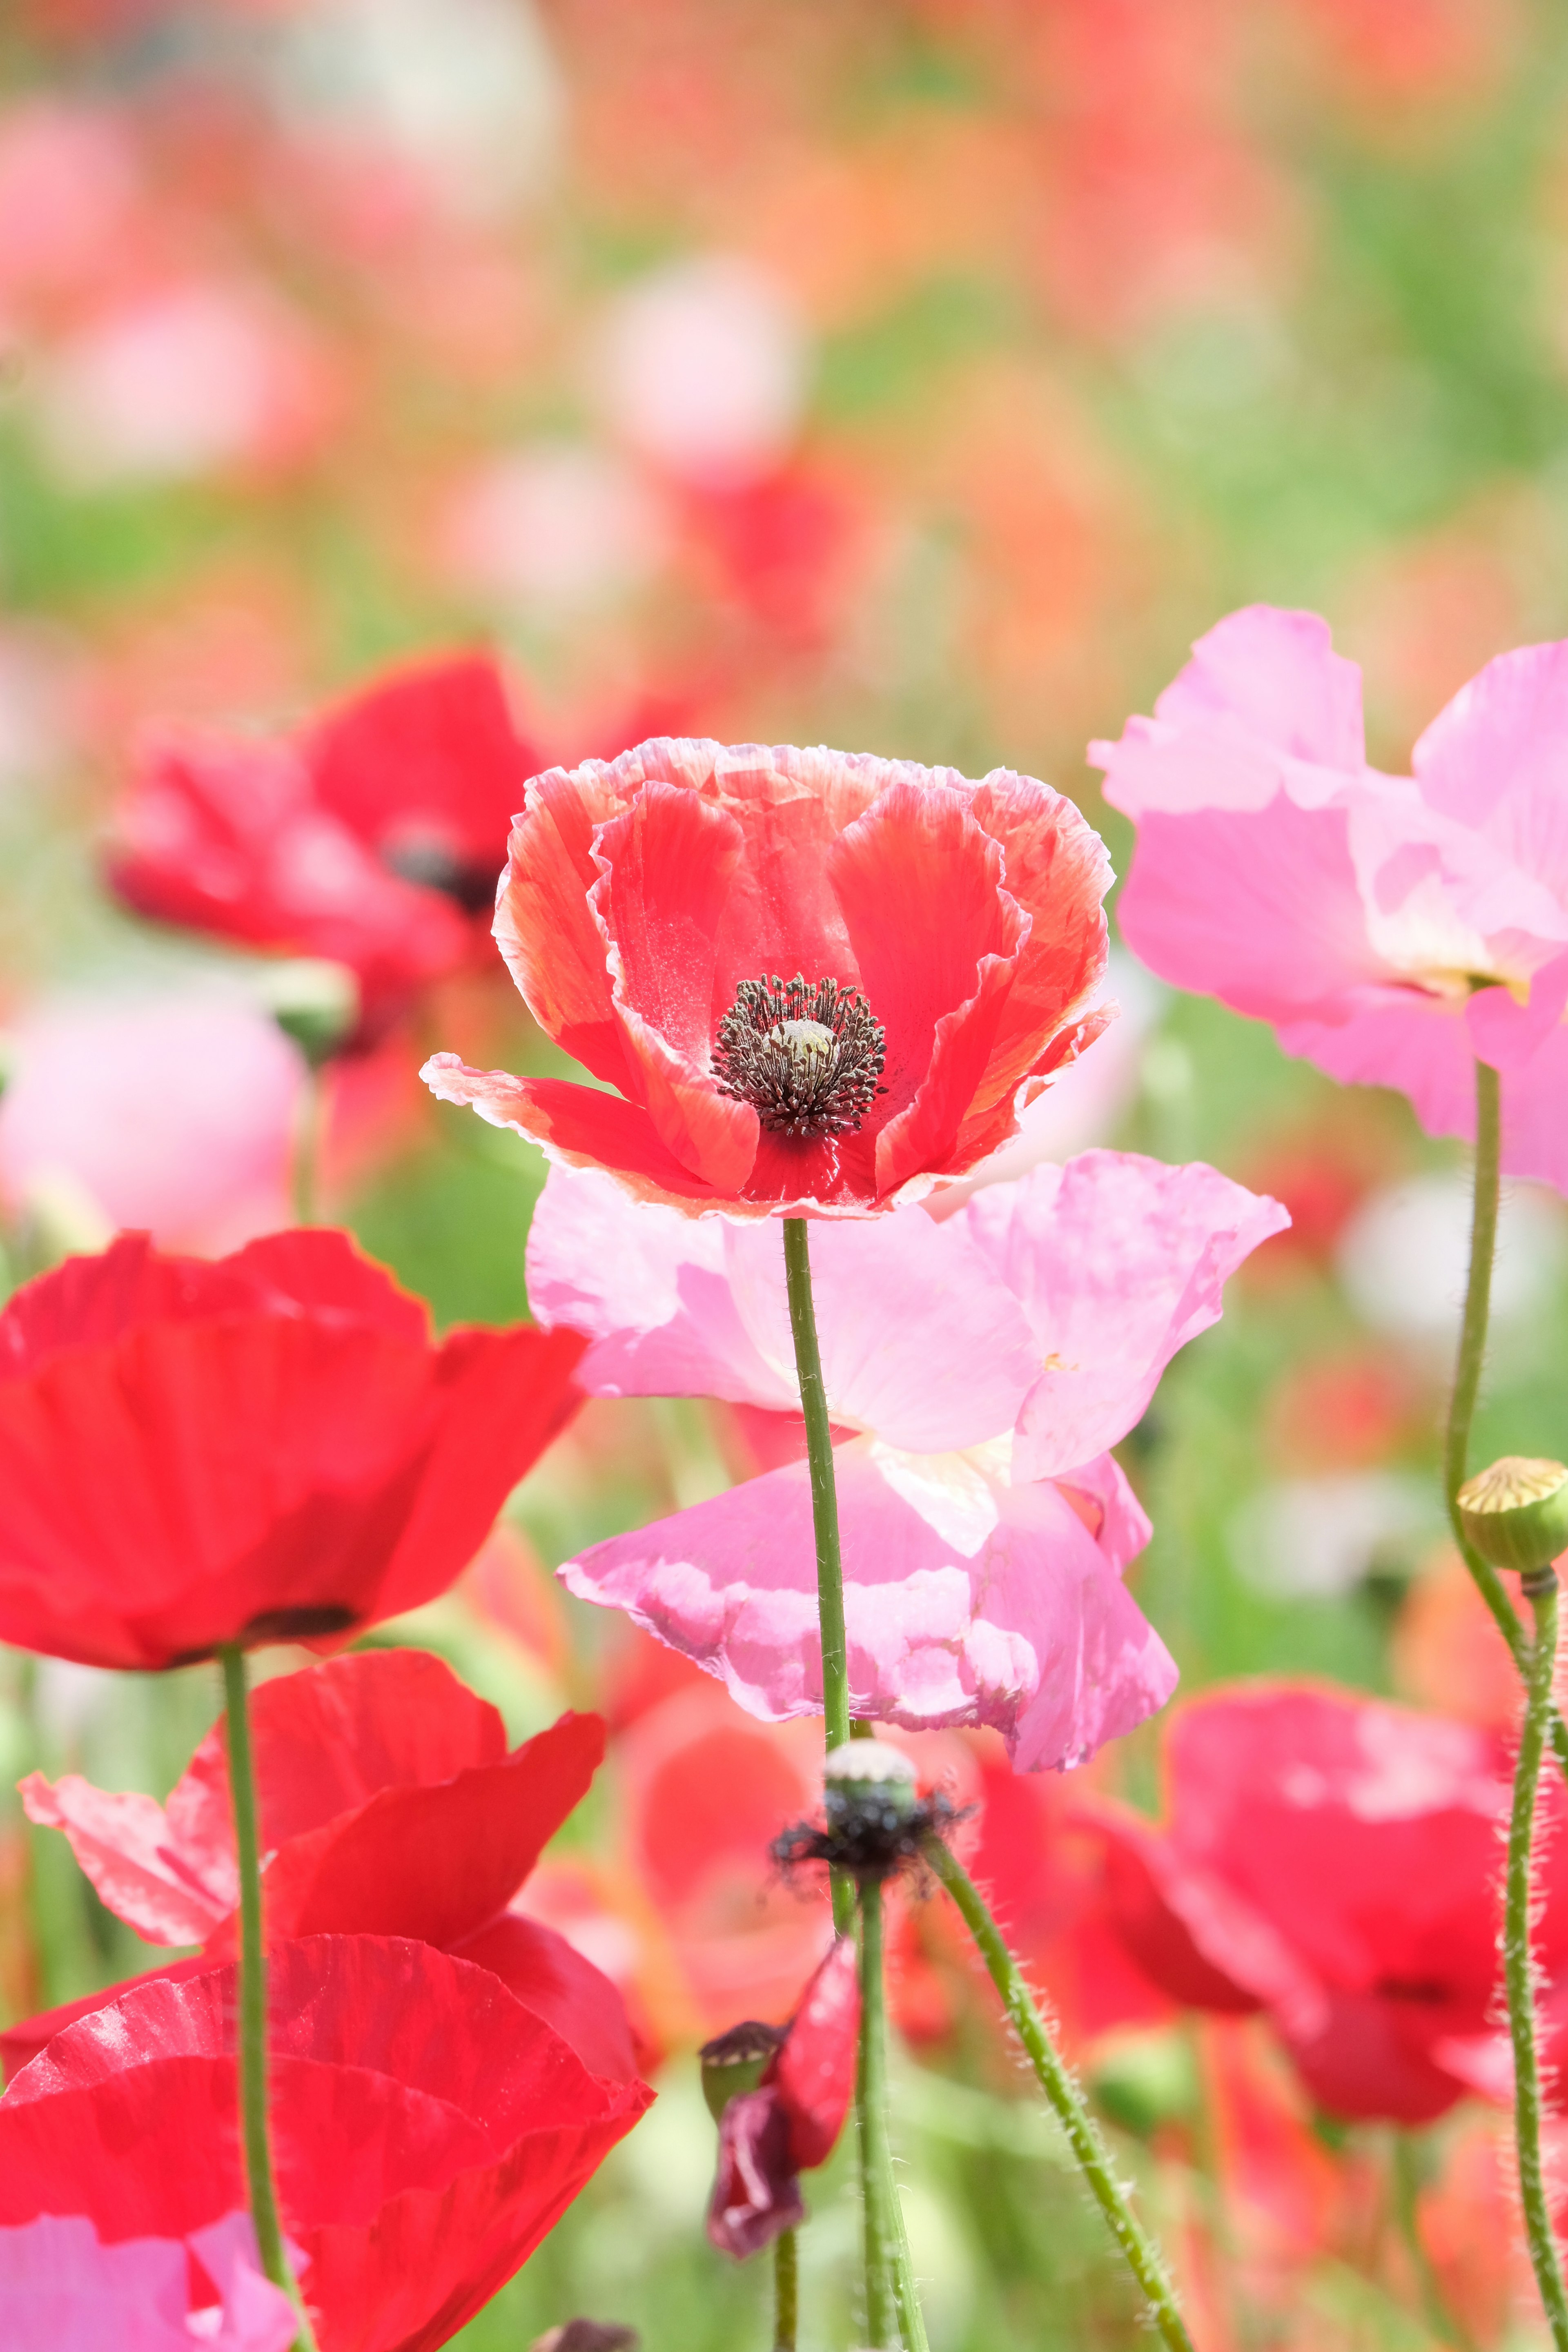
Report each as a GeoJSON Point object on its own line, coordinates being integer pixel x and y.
{"type": "Point", "coordinates": [314, 1001]}
{"type": "Point", "coordinates": [868, 1786]}
{"type": "Point", "coordinates": [1516, 1513]}
{"type": "Point", "coordinates": [735, 2062]}
{"type": "Point", "coordinates": [587, 2336]}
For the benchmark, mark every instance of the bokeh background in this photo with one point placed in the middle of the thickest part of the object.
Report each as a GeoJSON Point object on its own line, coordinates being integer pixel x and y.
{"type": "Point", "coordinates": [915, 375]}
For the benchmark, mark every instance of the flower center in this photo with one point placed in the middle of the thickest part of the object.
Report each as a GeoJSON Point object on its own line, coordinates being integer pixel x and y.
{"type": "Point", "coordinates": [806, 1054]}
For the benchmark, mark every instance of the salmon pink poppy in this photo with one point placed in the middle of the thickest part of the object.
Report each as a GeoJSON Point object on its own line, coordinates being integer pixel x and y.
{"type": "Point", "coordinates": [374, 837]}
{"type": "Point", "coordinates": [790, 2123]}
{"type": "Point", "coordinates": [389, 1805]}
{"type": "Point", "coordinates": [815, 980]}
{"type": "Point", "coordinates": [1331, 1860]}
{"type": "Point", "coordinates": [1392, 928]}
{"type": "Point", "coordinates": [260, 1447]}
{"type": "Point", "coordinates": [979, 1368]}
{"type": "Point", "coordinates": [61, 2290]}
{"type": "Point", "coordinates": [427, 2129]}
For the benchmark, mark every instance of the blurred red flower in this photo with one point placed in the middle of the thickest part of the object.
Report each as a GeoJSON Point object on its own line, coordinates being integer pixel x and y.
{"type": "Point", "coordinates": [374, 838]}
{"type": "Point", "coordinates": [427, 2128]}
{"type": "Point", "coordinates": [263, 1447]}
{"type": "Point", "coordinates": [948, 935]}
{"type": "Point", "coordinates": [1332, 1859]}
{"type": "Point", "coordinates": [389, 1806]}
{"type": "Point", "coordinates": [790, 2123]}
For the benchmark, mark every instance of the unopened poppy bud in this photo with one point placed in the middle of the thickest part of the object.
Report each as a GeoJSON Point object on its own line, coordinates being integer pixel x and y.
{"type": "Point", "coordinates": [870, 1772]}
{"type": "Point", "coordinates": [313, 1001]}
{"type": "Point", "coordinates": [735, 2062]}
{"type": "Point", "coordinates": [587, 2336]}
{"type": "Point", "coordinates": [1516, 1513]}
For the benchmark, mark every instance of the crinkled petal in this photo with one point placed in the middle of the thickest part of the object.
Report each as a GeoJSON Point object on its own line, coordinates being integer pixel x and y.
{"type": "Point", "coordinates": [966, 1600]}
{"type": "Point", "coordinates": [123, 1842]}
{"type": "Point", "coordinates": [1055, 866]}
{"type": "Point", "coordinates": [756, 2193]}
{"type": "Point", "coordinates": [1117, 1261]}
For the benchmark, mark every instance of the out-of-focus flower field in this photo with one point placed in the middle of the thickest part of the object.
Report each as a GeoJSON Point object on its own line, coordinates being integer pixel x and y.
{"type": "Point", "coordinates": [917, 375]}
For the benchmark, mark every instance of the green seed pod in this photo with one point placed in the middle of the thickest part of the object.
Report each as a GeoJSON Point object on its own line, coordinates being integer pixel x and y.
{"type": "Point", "coordinates": [313, 1001]}
{"type": "Point", "coordinates": [736, 2062]}
{"type": "Point", "coordinates": [1516, 1513]}
{"type": "Point", "coordinates": [868, 1772]}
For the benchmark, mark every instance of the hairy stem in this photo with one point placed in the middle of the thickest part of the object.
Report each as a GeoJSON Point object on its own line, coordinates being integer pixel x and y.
{"type": "Point", "coordinates": [786, 2291]}
{"type": "Point", "coordinates": [1519, 1966]}
{"type": "Point", "coordinates": [824, 1514]}
{"type": "Point", "coordinates": [1467, 1368]}
{"type": "Point", "coordinates": [878, 2185]}
{"type": "Point", "coordinates": [254, 2135]}
{"type": "Point", "coordinates": [1083, 2135]}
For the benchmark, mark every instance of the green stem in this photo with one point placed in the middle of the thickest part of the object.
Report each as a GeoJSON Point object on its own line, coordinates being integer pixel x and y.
{"type": "Point", "coordinates": [1467, 1368]}
{"type": "Point", "coordinates": [1519, 1966]}
{"type": "Point", "coordinates": [1083, 2135]}
{"type": "Point", "coordinates": [871, 2108]}
{"type": "Point", "coordinates": [786, 2291]}
{"type": "Point", "coordinates": [309, 1121]}
{"type": "Point", "coordinates": [1442, 2322]}
{"type": "Point", "coordinates": [823, 1515]}
{"type": "Point", "coordinates": [253, 1992]}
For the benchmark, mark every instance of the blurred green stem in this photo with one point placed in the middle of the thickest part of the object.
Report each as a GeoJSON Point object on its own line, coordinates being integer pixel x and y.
{"type": "Point", "coordinates": [1083, 2135]}
{"type": "Point", "coordinates": [1440, 2318]}
{"type": "Point", "coordinates": [310, 1119]}
{"type": "Point", "coordinates": [1467, 1370]}
{"type": "Point", "coordinates": [1518, 1967]}
{"type": "Point", "coordinates": [871, 2109]}
{"type": "Point", "coordinates": [254, 2132]}
{"type": "Point", "coordinates": [786, 2291]}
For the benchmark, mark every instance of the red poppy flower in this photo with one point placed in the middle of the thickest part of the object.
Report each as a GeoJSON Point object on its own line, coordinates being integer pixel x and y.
{"type": "Point", "coordinates": [389, 1806]}
{"type": "Point", "coordinates": [1332, 1859]}
{"type": "Point", "coordinates": [259, 1447]}
{"type": "Point", "coordinates": [427, 2128]}
{"type": "Point", "coordinates": [790, 2123]}
{"type": "Point", "coordinates": [374, 837]}
{"type": "Point", "coordinates": [816, 979]}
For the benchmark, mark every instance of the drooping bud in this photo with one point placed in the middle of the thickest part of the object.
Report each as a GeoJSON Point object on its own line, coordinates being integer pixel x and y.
{"type": "Point", "coordinates": [1516, 1513]}
{"type": "Point", "coordinates": [736, 2062]}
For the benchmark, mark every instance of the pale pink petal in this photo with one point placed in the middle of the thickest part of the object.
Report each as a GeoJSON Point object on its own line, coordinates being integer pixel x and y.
{"type": "Point", "coordinates": [133, 1854]}
{"type": "Point", "coordinates": [1398, 1037]}
{"type": "Point", "coordinates": [967, 1600]}
{"type": "Point", "coordinates": [1117, 1261]}
{"type": "Point", "coordinates": [1534, 1129]}
{"type": "Point", "coordinates": [61, 2290]}
{"type": "Point", "coordinates": [1494, 759]}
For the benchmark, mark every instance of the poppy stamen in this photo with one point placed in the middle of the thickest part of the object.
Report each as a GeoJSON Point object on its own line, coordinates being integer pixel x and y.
{"type": "Point", "coordinates": [806, 1054]}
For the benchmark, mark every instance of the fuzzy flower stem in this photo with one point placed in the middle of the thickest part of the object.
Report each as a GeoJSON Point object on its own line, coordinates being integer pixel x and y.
{"type": "Point", "coordinates": [878, 2185]}
{"type": "Point", "coordinates": [254, 2133]}
{"type": "Point", "coordinates": [824, 1514]}
{"type": "Point", "coordinates": [310, 1119]}
{"type": "Point", "coordinates": [1519, 1966]}
{"type": "Point", "coordinates": [1468, 1379]}
{"type": "Point", "coordinates": [1083, 2135]}
{"type": "Point", "coordinates": [786, 2291]}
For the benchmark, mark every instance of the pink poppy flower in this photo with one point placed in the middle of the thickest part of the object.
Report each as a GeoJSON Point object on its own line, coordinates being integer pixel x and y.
{"type": "Point", "coordinates": [818, 979]}
{"type": "Point", "coordinates": [61, 2290]}
{"type": "Point", "coordinates": [980, 1368]}
{"type": "Point", "coordinates": [1394, 929]}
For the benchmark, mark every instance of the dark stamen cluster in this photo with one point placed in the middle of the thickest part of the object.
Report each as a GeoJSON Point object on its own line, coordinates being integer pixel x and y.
{"type": "Point", "coordinates": [806, 1054]}
{"type": "Point", "coordinates": [869, 1833]}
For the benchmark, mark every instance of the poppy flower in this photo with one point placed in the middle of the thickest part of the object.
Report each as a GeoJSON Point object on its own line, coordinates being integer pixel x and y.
{"type": "Point", "coordinates": [816, 979]}
{"type": "Point", "coordinates": [427, 2129]}
{"type": "Point", "coordinates": [790, 2123]}
{"type": "Point", "coordinates": [389, 1805]}
{"type": "Point", "coordinates": [1333, 1861]}
{"type": "Point", "coordinates": [979, 1369]}
{"type": "Point", "coordinates": [1394, 929]}
{"type": "Point", "coordinates": [62, 2291]}
{"type": "Point", "coordinates": [260, 1447]}
{"type": "Point", "coordinates": [374, 838]}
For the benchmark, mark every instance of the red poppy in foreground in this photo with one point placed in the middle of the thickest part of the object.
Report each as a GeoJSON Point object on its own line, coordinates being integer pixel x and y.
{"type": "Point", "coordinates": [261, 1447]}
{"type": "Point", "coordinates": [1332, 1859]}
{"type": "Point", "coordinates": [427, 2128]}
{"type": "Point", "coordinates": [818, 979]}
{"type": "Point", "coordinates": [790, 2123]}
{"type": "Point", "coordinates": [389, 1805]}
{"type": "Point", "coordinates": [374, 837]}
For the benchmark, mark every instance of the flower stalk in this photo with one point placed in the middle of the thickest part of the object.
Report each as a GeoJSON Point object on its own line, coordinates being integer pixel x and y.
{"type": "Point", "coordinates": [786, 2291]}
{"type": "Point", "coordinates": [871, 2115]}
{"type": "Point", "coordinates": [824, 1512]}
{"type": "Point", "coordinates": [1083, 2135]}
{"type": "Point", "coordinates": [1519, 1965]}
{"type": "Point", "coordinates": [253, 2134]}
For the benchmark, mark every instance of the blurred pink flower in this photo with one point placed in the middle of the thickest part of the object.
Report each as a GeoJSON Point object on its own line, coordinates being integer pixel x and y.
{"type": "Point", "coordinates": [61, 2290]}
{"type": "Point", "coordinates": [173, 1116]}
{"type": "Point", "coordinates": [68, 198]}
{"type": "Point", "coordinates": [1392, 928]}
{"type": "Point", "coordinates": [702, 367]}
{"type": "Point", "coordinates": [193, 379]}
{"type": "Point", "coordinates": [983, 1365]}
